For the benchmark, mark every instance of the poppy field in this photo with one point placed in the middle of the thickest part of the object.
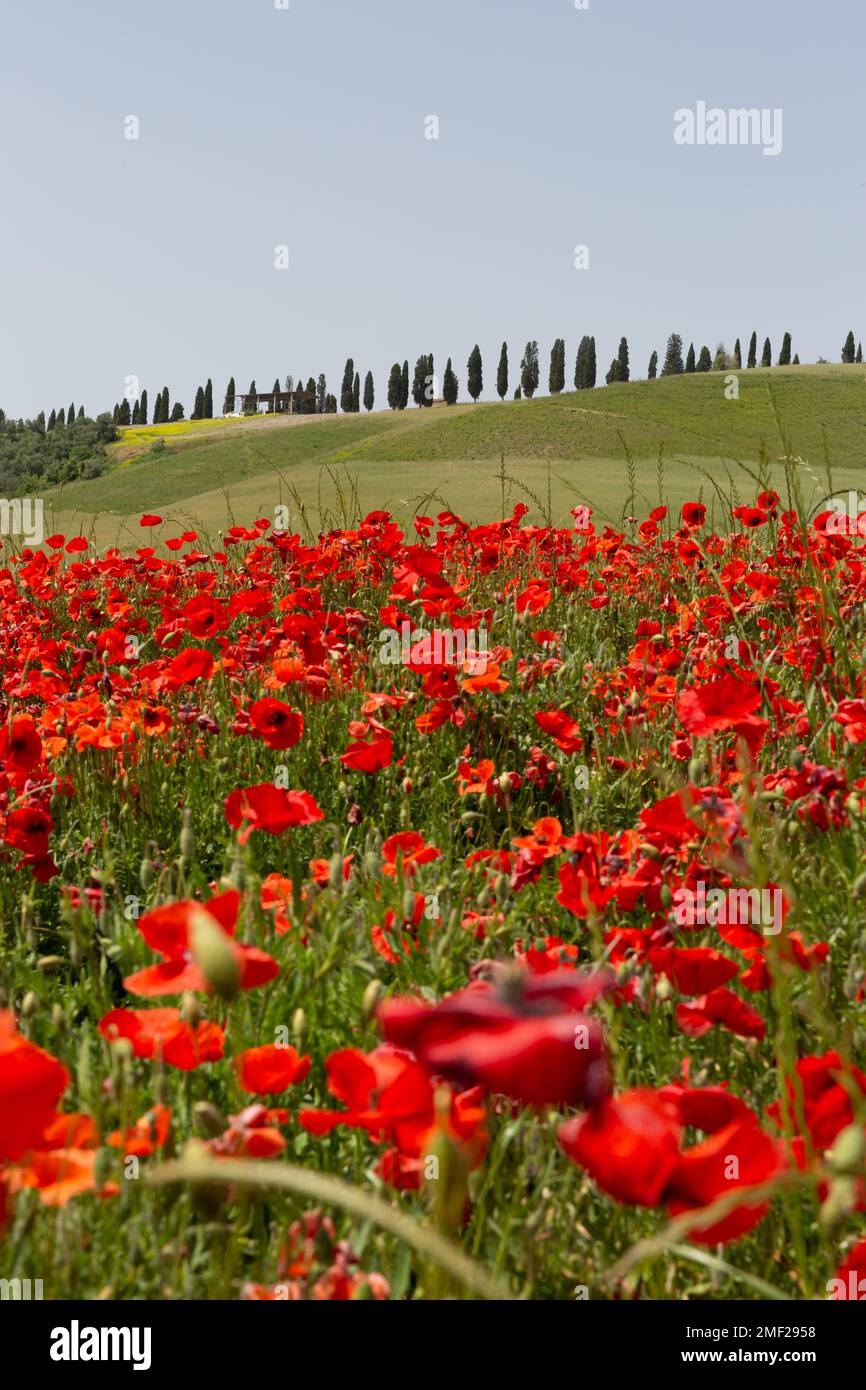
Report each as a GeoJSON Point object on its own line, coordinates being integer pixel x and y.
{"type": "Point", "coordinates": [444, 911]}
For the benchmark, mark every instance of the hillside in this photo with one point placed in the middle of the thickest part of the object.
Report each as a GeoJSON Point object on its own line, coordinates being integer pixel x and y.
{"type": "Point", "coordinates": [551, 452]}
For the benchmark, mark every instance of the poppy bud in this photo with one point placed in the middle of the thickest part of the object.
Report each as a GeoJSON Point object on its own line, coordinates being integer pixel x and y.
{"type": "Point", "coordinates": [501, 889]}
{"type": "Point", "coordinates": [407, 785]}
{"type": "Point", "coordinates": [372, 996]}
{"type": "Point", "coordinates": [299, 1026]}
{"type": "Point", "coordinates": [29, 1004]}
{"type": "Point", "coordinates": [49, 963]}
{"type": "Point", "coordinates": [859, 886]}
{"type": "Point", "coordinates": [852, 804]}
{"type": "Point", "coordinates": [849, 1150]}
{"type": "Point", "coordinates": [666, 897]}
{"type": "Point", "coordinates": [505, 784]}
{"type": "Point", "coordinates": [408, 905]}
{"type": "Point", "coordinates": [58, 1018]}
{"type": "Point", "coordinates": [187, 840]}
{"type": "Point", "coordinates": [214, 954]}
{"type": "Point", "coordinates": [696, 771]}
{"type": "Point", "coordinates": [664, 988]}
{"type": "Point", "coordinates": [839, 1203]}
{"type": "Point", "coordinates": [335, 872]}
{"type": "Point", "coordinates": [209, 1120]}
{"type": "Point", "coordinates": [190, 1010]}
{"type": "Point", "coordinates": [146, 872]}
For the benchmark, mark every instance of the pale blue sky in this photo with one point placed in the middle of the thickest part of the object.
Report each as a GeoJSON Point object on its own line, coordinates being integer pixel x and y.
{"type": "Point", "coordinates": [262, 127]}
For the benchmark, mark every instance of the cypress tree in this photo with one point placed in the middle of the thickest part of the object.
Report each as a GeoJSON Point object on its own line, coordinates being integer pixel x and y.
{"type": "Point", "coordinates": [142, 408]}
{"type": "Point", "coordinates": [581, 363]}
{"type": "Point", "coordinates": [590, 365]}
{"type": "Point", "coordinates": [70, 414]}
{"type": "Point", "coordinates": [277, 391]}
{"type": "Point", "coordinates": [419, 381]}
{"type": "Point", "coordinates": [705, 361]}
{"type": "Point", "coordinates": [404, 385]}
{"type": "Point", "coordinates": [529, 369]}
{"type": "Point", "coordinates": [767, 354]}
{"type": "Point", "coordinates": [613, 373]}
{"type": "Point", "coordinates": [135, 415]}
{"type": "Point", "coordinates": [81, 411]}
{"type": "Point", "coordinates": [690, 358]}
{"type": "Point", "coordinates": [673, 363]}
{"type": "Point", "coordinates": [738, 355]}
{"type": "Point", "coordinates": [785, 354]}
{"type": "Point", "coordinates": [52, 419]}
{"type": "Point", "coordinates": [848, 352]}
{"type": "Point", "coordinates": [449, 385]}
{"type": "Point", "coordinates": [502, 373]}
{"type": "Point", "coordinates": [369, 396]}
{"type": "Point", "coordinates": [61, 417]}
{"type": "Point", "coordinates": [165, 401]}
{"type": "Point", "coordinates": [198, 407]}
{"type": "Point", "coordinates": [321, 394]}
{"type": "Point", "coordinates": [346, 389]}
{"type": "Point", "coordinates": [177, 412]}
{"type": "Point", "coordinates": [518, 394]}
{"type": "Point", "coordinates": [556, 375]}
{"type": "Point", "coordinates": [208, 399]}
{"type": "Point", "coordinates": [652, 369]}
{"type": "Point", "coordinates": [230, 397]}
{"type": "Point", "coordinates": [622, 358]}
{"type": "Point", "coordinates": [753, 351]}
{"type": "Point", "coordinates": [115, 415]}
{"type": "Point", "coordinates": [125, 416]}
{"type": "Point", "coordinates": [859, 357]}
{"type": "Point", "coordinates": [395, 387]}
{"type": "Point", "coordinates": [475, 375]}
{"type": "Point", "coordinates": [310, 396]}
{"type": "Point", "coordinates": [40, 422]}
{"type": "Point", "coordinates": [356, 394]}
{"type": "Point", "coordinates": [796, 359]}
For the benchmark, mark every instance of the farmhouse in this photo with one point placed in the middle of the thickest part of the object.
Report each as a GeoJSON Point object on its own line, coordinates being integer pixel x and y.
{"type": "Point", "coordinates": [265, 402]}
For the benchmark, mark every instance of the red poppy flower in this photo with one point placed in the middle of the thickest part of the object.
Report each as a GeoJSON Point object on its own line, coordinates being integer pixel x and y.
{"type": "Point", "coordinates": [20, 745]}
{"type": "Point", "coordinates": [269, 808]}
{"type": "Point", "coordinates": [163, 1033]}
{"type": "Point", "coordinates": [168, 930]}
{"type": "Point", "coordinates": [720, 1006]}
{"type": "Point", "coordinates": [31, 1084]}
{"type": "Point", "coordinates": [277, 724]}
{"type": "Point", "coordinates": [629, 1145]}
{"type": "Point", "coordinates": [718, 705]}
{"type": "Point", "coordinates": [270, 1069]}
{"type": "Point", "coordinates": [740, 1155]}
{"type": "Point", "coordinates": [369, 757]}
{"type": "Point", "coordinates": [528, 1039]}
{"type": "Point", "coordinates": [693, 513]}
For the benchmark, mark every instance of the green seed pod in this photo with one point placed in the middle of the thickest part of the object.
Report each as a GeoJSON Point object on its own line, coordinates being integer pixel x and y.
{"type": "Point", "coordinates": [666, 896]}
{"type": "Point", "coordinates": [29, 1004]}
{"type": "Point", "coordinates": [372, 997]}
{"type": "Point", "coordinates": [849, 1150]}
{"type": "Point", "coordinates": [299, 1026]}
{"type": "Point", "coordinates": [335, 872]}
{"type": "Point", "coordinates": [696, 771]}
{"type": "Point", "coordinates": [146, 873]}
{"type": "Point", "coordinates": [187, 840]}
{"type": "Point", "coordinates": [58, 1018]}
{"type": "Point", "coordinates": [214, 954]}
{"type": "Point", "coordinates": [209, 1121]}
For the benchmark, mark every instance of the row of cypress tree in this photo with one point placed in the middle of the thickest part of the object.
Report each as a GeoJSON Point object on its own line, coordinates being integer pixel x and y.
{"type": "Point", "coordinates": [315, 398]}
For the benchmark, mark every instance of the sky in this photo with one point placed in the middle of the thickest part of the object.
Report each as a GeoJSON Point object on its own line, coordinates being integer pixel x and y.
{"type": "Point", "coordinates": [261, 127]}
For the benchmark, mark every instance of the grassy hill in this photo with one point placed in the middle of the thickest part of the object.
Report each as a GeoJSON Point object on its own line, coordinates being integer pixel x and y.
{"type": "Point", "coordinates": [624, 445]}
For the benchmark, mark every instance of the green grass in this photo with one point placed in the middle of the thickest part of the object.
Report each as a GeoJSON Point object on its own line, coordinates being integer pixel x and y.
{"type": "Point", "coordinates": [551, 452]}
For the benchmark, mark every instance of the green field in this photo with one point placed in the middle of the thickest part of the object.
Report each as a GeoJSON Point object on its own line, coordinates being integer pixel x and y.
{"type": "Point", "coordinates": [621, 447]}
